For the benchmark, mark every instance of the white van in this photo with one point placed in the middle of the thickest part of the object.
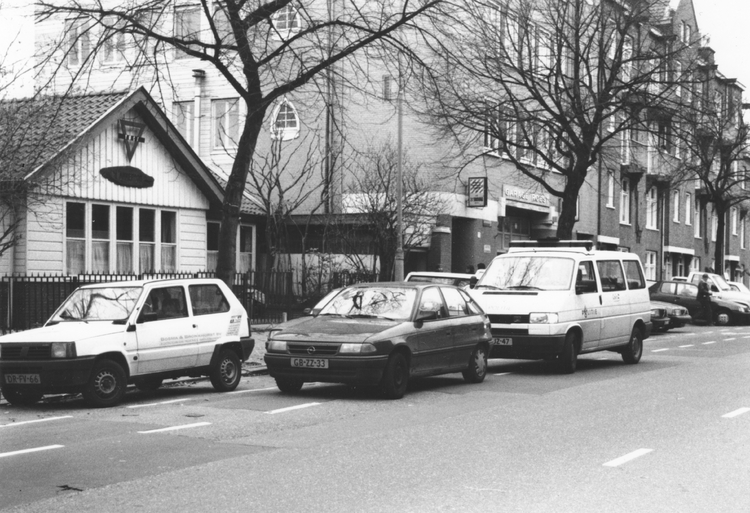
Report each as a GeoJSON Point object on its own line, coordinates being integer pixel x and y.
{"type": "Point", "coordinates": [559, 299]}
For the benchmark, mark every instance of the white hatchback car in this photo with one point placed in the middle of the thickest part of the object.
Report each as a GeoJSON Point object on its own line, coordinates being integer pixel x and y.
{"type": "Point", "coordinates": [107, 335]}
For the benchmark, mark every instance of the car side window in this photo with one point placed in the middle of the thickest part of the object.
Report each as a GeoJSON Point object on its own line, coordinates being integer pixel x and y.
{"type": "Point", "coordinates": [455, 302]}
{"type": "Point", "coordinates": [612, 277]}
{"type": "Point", "coordinates": [687, 290]}
{"type": "Point", "coordinates": [207, 299]}
{"type": "Point", "coordinates": [166, 303]}
{"type": "Point", "coordinates": [474, 308]}
{"type": "Point", "coordinates": [586, 280]}
{"type": "Point", "coordinates": [634, 275]}
{"type": "Point", "coordinates": [432, 301]}
{"type": "Point", "coordinates": [667, 288]}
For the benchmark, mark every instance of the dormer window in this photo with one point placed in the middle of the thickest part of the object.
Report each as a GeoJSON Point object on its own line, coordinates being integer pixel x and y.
{"type": "Point", "coordinates": [285, 122]}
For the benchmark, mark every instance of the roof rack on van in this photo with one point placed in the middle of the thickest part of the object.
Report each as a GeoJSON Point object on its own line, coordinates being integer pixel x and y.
{"type": "Point", "coordinates": [588, 245]}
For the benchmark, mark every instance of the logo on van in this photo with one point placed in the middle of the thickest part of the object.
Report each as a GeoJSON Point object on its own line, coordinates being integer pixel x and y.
{"type": "Point", "coordinates": [586, 312]}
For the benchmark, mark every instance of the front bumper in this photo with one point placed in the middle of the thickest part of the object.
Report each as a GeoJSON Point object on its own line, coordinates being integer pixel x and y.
{"type": "Point", "coordinates": [529, 347]}
{"type": "Point", "coordinates": [56, 376]}
{"type": "Point", "coordinates": [352, 370]}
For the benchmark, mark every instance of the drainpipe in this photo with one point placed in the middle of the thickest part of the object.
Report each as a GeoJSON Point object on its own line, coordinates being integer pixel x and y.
{"type": "Point", "coordinates": [198, 75]}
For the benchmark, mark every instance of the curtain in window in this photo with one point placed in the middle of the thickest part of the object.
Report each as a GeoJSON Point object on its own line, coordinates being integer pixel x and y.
{"type": "Point", "coordinates": [75, 259]}
{"type": "Point", "coordinates": [100, 256]}
{"type": "Point", "coordinates": [146, 258]}
{"type": "Point", "coordinates": [168, 258]}
{"type": "Point", "coordinates": [124, 257]}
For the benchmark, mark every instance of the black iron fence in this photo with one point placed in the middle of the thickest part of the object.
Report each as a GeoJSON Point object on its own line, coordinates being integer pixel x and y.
{"type": "Point", "coordinates": [27, 301]}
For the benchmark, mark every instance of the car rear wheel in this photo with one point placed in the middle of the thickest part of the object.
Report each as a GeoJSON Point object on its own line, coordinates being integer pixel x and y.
{"type": "Point", "coordinates": [568, 359]}
{"type": "Point", "coordinates": [106, 387]}
{"type": "Point", "coordinates": [722, 318]}
{"type": "Point", "coordinates": [227, 372]}
{"type": "Point", "coordinates": [148, 384]}
{"type": "Point", "coordinates": [396, 377]}
{"type": "Point", "coordinates": [634, 350]}
{"type": "Point", "coordinates": [289, 386]}
{"type": "Point", "coordinates": [477, 366]}
{"type": "Point", "coordinates": [20, 397]}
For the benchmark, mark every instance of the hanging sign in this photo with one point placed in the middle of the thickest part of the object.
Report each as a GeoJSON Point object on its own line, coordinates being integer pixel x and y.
{"type": "Point", "coordinates": [131, 133]}
{"type": "Point", "coordinates": [127, 176]}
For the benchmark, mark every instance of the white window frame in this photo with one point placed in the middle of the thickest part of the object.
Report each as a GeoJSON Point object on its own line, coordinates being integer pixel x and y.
{"type": "Point", "coordinates": [286, 133]}
{"type": "Point", "coordinates": [286, 22]}
{"type": "Point", "coordinates": [610, 189]}
{"type": "Point", "coordinates": [688, 208]}
{"type": "Point", "coordinates": [625, 201]}
{"type": "Point", "coordinates": [221, 117]}
{"type": "Point", "coordinates": [676, 206]}
{"type": "Point", "coordinates": [695, 264]}
{"type": "Point", "coordinates": [182, 19]}
{"type": "Point", "coordinates": [714, 226]}
{"type": "Point", "coordinates": [649, 265]}
{"type": "Point", "coordinates": [743, 227]}
{"type": "Point", "coordinates": [78, 41]}
{"type": "Point", "coordinates": [733, 219]}
{"type": "Point", "coordinates": [652, 201]}
{"type": "Point", "coordinates": [697, 219]}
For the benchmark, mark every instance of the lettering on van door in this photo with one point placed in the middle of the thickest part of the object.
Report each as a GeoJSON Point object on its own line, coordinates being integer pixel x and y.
{"type": "Point", "coordinates": [589, 312]}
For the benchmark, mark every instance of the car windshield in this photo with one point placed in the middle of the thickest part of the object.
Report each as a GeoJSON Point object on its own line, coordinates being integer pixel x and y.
{"type": "Point", "coordinates": [741, 287]}
{"type": "Point", "coordinates": [722, 283]}
{"type": "Point", "coordinates": [99, 304]}
{"type": "Point", "coordinates": [394, 303]}
{"type": "Point", "coordinates": [528, 273]}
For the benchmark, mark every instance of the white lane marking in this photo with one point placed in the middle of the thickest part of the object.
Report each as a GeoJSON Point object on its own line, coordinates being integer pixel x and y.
{"type": "Point", "coordinates": [174, 428]}
{"type": "Point", "coordinates": [290, 408]}
{"type": "Point", "coordinates": [624, 459]}
{"type": "Point", "coordinates": [659, 350]}
{"type": "Point", "coordinates": [34, 421]}
{"type": "Point", "coordinates": [26, 451]}
{"type": "Point", "coordinates": [603, 358]}
{"type": "Point", "coordinates": [736, 413]}
{"type": "Point", "coordinates": [709, 342]}
{"type": "Point", "coordinates": [253, 390]}
{"type": "Point", "coordinates": [158, 404]}
{"type": "Point", "coordinates": [747, 336]}
{"type": "Point", "coordinates": [687, 345]}
{"type": "Point", "coordinates": [729, 339]}
{"type": "Point", "coordinates": [688, 334]}
{"type": "Point", "coordinates": [503, 373]}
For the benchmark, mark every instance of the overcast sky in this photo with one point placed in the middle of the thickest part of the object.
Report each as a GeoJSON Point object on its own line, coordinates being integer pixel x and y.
{"type": "Point", "coordinates": [727, 23]}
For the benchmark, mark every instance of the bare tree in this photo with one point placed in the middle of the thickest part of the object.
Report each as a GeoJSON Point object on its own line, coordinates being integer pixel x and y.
{"type": "Point", "coordinates": [717, 139]}
{"type": "Point", "coordinates": [552, 87]}
{"type": "Point", "coordinates": [372, 196]}
{"type": "Point", "coordinates": [251, 45]}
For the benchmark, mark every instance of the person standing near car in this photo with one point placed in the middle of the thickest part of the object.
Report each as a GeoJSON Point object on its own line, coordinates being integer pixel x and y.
{"type": "Point", "coordinates": [704, 298]}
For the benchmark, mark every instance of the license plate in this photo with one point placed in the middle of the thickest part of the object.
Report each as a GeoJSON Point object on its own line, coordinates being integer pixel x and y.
{"type": "Point", "coordinates": [22, 379]}
{"type": "Point", "coordinates": [504, 341]}
{"type": "Point", "coordinates": [310, 363]}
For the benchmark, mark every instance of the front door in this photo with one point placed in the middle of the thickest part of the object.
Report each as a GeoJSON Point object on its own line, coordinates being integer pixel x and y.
{"type": "Point", "coordinates": [434, 338]}
{"type": "Point", "coordinates": [588, 305]}
{"type": "Point", "coordinates": [615, 320]}
{"type": "Point", "coordinates": [165, 332]}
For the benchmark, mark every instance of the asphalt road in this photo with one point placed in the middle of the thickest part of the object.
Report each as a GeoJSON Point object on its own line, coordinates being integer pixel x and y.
{"type": "Point", "coordinates": [670, 434]}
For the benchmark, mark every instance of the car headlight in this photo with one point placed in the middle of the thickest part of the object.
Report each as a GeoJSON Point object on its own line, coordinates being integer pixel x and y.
{"type": "Point", "coordinates": [63, 350]}
{"type": "Point", "coordinates": [357, 348]}
{"type": "Point", "coordinates": [657, 312]}
{"type": "Point", "coordinates": [276, 346]}
{"type": "Point", "coordinates": [543, 318]}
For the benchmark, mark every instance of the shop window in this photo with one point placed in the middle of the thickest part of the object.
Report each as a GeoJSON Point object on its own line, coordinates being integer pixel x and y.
{"type": "Point", "coordinates": [75, 238]}
{"type": "Point", "coordinates": [147, 240]}
{"type": "Point", "coordinates": [168, 241]}
{"type": "Point", "coordinates": [212, 245]}
{"type": "Point", "coordinates": [285, 122]}
{"type": "Point", "coordinates": [124, 233]}
{"type": "Point", "coordinates": [225, 123]}
{"type": "Point", "coordinates": [183, 117]}
{"type": "Point", "coordinates": [286, 22]}
{"type": "Point", "coordinates": [100, 238]}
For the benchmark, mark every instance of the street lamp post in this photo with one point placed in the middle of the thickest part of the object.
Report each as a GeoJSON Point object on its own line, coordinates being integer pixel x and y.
{"type": "Point", "coordinates": [398, 265]}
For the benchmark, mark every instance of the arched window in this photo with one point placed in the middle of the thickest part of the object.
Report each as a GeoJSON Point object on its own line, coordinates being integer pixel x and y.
{"type": "Point", "coordinates": [285, 122]}
{"type": "Point", "coordinates": [286, 21]}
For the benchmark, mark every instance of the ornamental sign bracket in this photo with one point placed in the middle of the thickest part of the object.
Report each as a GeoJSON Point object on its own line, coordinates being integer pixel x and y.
{"type": "Point", "coordinates": [131, 133]}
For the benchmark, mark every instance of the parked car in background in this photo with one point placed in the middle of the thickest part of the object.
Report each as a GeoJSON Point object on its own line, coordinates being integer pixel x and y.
{"type": "Point", "coordinates": [666, 316]}
{"type": "Point", "coordinates": [107, 335]}
{"type": "Point", "coordinates": [739, 287]}
{"type": "Point", "coordinates": [720, 288]}
{"type": "Point", "coordinates": [686, 294]}
{"type": "Point", "coordinates": [383, 334]}
{"type": "Point", "coordinates": [457, 279]}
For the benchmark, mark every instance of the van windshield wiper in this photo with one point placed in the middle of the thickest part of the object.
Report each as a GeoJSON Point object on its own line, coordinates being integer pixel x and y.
{"type": "Point", "coordinates": [524, 287]}
{"type": "Point", "coordinates": [493, 287]}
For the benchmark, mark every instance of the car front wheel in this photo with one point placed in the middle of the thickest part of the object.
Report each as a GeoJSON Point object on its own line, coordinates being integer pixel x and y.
{"type": "Point", "coordinates": [19, 397]}
{"type": "Point", "coordinates": [477, 366]}
{"type": "Point", "coordinates": [227, 372]}
{"type": "Point", "coordinates": [722, 318]}
{"type": "Point", "coordinates": [633, 351]}
{"type": "Point", "coordinates": [106, 387]}
{"type": "Point", "coordinates": [568, 359]}
{"type": "Point", "coordinates": [396, 377]}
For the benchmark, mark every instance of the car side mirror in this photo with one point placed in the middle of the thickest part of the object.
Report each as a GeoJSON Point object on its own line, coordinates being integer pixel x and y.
{"type": "Point", "coordinates": [426, 316]}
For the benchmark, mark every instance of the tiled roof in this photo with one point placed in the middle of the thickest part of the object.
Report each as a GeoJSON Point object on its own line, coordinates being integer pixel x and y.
{"type": "Point", "coordinates": [248, 206]}
{"type": "Point", "coordinates": [33, 131]}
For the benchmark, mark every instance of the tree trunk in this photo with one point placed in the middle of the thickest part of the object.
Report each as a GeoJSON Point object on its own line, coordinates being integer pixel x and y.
{"type": "Point", "coordinates": [567, 219]}
{"type": "Point", "coordinates": [226, 260]}
{"type": "Point", "coordinates": [720, 238]}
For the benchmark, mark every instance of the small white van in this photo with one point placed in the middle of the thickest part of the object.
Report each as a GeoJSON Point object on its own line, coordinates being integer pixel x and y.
{"type": "Point", "coordinates": [558, 299]}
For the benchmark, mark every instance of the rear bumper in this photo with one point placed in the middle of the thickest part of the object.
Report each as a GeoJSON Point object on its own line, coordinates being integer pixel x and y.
{"type": "Point", "coordinates": [248, 344]}
{"type": "Point", "coordinates": [55, 375]}
{"type": "Point", "coordinates": [351, 370]}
